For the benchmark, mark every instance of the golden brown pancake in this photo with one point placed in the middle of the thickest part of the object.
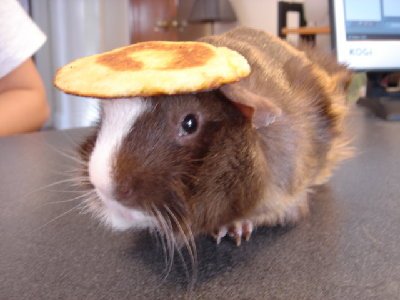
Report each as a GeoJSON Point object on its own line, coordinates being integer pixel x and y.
{"type": "Point", "coordinates": [152, 68]}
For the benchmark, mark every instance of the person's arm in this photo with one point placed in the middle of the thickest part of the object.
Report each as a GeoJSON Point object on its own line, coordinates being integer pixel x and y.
{"type": "Point", "coordinates": [23, 104]}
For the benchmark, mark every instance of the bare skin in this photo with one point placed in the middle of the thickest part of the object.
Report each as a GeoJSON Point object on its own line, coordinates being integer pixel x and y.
{"type": "Point", "coordinates": [23, 104]}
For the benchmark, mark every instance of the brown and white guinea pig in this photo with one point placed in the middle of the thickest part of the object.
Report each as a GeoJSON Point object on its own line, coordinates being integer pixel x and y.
{"type": "Point", "coordinates": [226, 160]}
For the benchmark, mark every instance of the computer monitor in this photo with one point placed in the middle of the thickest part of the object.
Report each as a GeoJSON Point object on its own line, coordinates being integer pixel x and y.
{"type": "Point", "coordinates": [366, 37]}
{"type": "Point", "coordinates": [366, 33]}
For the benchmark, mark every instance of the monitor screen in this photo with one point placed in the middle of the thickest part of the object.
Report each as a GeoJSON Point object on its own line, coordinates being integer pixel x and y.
{"type": "Point", "coordinates": [367, 33]}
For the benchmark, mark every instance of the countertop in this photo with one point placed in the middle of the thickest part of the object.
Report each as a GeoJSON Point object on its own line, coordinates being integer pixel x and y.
{"type": "Point", "coordinates": [348, 248]}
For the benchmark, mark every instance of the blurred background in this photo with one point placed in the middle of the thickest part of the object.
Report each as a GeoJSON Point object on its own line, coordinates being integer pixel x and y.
{"type": "Point", "coordinates": [77, 28]}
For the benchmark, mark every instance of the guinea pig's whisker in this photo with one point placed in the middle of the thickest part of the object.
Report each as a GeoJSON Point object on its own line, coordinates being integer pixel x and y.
{"type": "Point", "coordinates": [64, 171]}
{"type": "Point", "coordinates": [157, 232]}
{"type": "Point", "coordinates": [170, 233]}
{"type": "Point", "coordinates": [154, 232]}
{"type": "Point", "coordinates": [170, 238]}
{"type": "Point", "coordinates": [190, 245]}
{"type": "Point", "coordinates": [66, 191]}
{"type": "Point", "coordinates": [86, 204]}
{"type": "Point", "coordinates": [71, 156]}
{"type": "Point", "coordinates": [74, 155]}
{"type": "Point", "coordinates": [59, 216]}
{"type": "Point", "coordinates": [88, 193]}
{"type": "Point", "coordinates": [69, 138]}
{"type": "Point", "coordinates": [167, 243]}
{"type": "Point", "coordinates": [77, 172]}
{"type": "Point", "coordinates": [72, 181]}
{"type": "Point", "coordinates": [78, 181]}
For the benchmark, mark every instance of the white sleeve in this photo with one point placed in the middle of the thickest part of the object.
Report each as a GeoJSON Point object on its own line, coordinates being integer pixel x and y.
{"type": "Point", "coordinates": [20, 38]}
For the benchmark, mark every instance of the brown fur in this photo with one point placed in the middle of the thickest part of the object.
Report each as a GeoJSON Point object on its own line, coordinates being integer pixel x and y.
{"type": "Point", "coordinates": [229, 171]}
{"type": "Point", "coordinates": [205, 178]}
{"type": "Point", "coordinates": [302, 147]}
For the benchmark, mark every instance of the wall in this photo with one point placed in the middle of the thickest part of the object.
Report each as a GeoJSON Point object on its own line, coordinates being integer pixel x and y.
{"type": "Point", "coordinates": [261, 14]}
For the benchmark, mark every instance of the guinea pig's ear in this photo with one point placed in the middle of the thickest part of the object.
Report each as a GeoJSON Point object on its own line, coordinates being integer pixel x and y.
{"type": "Point", "coordinates": [260, 110]}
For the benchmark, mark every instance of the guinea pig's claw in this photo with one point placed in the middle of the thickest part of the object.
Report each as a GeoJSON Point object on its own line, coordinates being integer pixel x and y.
{"type": "Point", "coordinates": [238, 231]}
{"type": "Point", "coordinates": [247, 231]}
{"type": "Point", "coordinates": [220, 234]}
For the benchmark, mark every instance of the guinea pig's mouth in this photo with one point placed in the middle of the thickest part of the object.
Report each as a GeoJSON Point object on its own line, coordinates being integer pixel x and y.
{"type": "Point", "coordinates": [120, 217]}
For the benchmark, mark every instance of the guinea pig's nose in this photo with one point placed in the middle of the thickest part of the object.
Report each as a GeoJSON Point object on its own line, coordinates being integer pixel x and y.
{"type": "Point", "coordinates": [123, 192]}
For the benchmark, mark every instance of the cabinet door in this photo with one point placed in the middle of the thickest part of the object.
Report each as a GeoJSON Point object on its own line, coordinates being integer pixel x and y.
{"type": "Point", "coordinates": [154, 20]}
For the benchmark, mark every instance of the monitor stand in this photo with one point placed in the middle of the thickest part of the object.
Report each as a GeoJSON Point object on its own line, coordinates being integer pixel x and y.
{"type": "Point", "coordinates": [384, 107]}
{"type": "Point", "coordinates": [382, 103]}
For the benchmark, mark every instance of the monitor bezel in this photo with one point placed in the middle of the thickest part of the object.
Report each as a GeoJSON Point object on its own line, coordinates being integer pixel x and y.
{"type": "Point", "coordinates": [382, 50]}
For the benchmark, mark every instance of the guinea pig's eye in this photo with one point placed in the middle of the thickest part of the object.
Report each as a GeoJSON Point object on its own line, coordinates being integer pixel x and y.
{"type": "Point", "coordinates": [189, 124]}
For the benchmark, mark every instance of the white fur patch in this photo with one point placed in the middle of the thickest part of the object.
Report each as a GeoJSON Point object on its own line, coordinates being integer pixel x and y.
{"type": "Point", "coordinates": [121, 218]}
{"type": "Point", "coordinates": [119, 117]}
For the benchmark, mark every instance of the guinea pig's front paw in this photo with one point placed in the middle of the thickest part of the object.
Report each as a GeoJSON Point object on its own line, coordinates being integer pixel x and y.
{"type": "Point", "coordinates": [237, 230]}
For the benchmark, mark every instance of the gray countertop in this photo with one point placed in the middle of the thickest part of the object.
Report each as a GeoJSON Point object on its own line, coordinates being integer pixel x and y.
{"type": "Point", "coordinates": [348, 248]}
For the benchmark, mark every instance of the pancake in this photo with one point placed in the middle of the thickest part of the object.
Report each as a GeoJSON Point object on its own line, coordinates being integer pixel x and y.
{"type": "Point", "coordinates": [152, 68]}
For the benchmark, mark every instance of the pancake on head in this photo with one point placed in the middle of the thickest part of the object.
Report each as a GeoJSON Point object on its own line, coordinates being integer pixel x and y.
{"type": "Point", "coordinates": [152, 68]}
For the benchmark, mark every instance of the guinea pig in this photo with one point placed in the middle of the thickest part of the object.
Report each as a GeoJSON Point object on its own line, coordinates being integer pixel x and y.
{"type": "Point", "coordinates": [223, 161]}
